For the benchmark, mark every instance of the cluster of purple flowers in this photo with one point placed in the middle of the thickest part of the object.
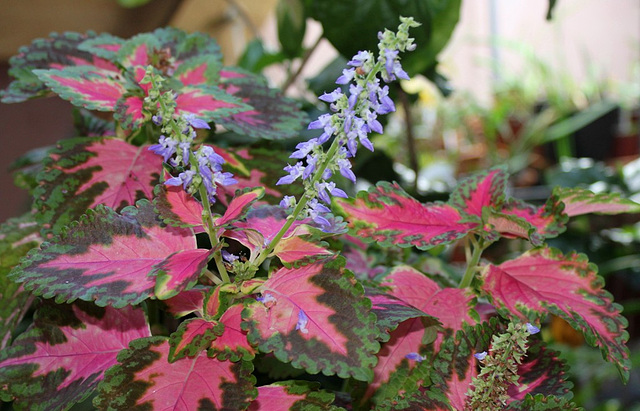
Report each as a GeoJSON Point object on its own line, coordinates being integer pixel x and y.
{"type": "Point", "coordinates": [202, 167]}
{"type": "Point", "coordinates": [354, 116]}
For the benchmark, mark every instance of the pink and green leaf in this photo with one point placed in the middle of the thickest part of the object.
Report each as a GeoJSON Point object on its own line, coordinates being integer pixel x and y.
{"type": "Point", "coordinates": [317, 318]}
{"type": "Point", "coordinates": [544, 280]}
{"type": "Point", "coordinates": [108, 258]}
{"type": "Point", "coordinates": [204, 69]}
{"type": "Point", "coordinates": [192, 337]}
{"type": "Point", "coordinates": [292, 395]}
{"type": "Point", "coordinates": [187, 302]}
{"type": "Point", "coordinates": [180, 271]}
{"type": "Point", "coordinates": [296, 250]}
{"type": "Point", "coordinates": [207, 103]}
{"type": "Point", "coordinates": [145, 379]}
{"type": "Point", "coordinates": [85, 172]}
{"type": "Point", "coordinates": [178, 208]}
{"type": "Point", "coordinates": [85, 86]}
{"type": "Point", "coordinates": [486, 189]}
{"type": "Point", "coordinates": [232, 345]}
{"type": "Point", "coordinates": [390, 311]}
{"type": "Point", "coordinates": [46, 367]}
{"type": "Point", "coordinates": [579, 201]}
{"type": "Point", "coordinates": [389, 216]}
{"type": "Point", "coordinates": [56, 51]}
{"type": "Point", "coordinates": [240, 205]}
{"type": "Point", "coordinates": [269, 114]}
{"type": "Point", "coordinates": [17, 237]}
{"type": "Point", "coordinates": [448, 306]}
{"type": "Point", "coordinates": [520, 219]}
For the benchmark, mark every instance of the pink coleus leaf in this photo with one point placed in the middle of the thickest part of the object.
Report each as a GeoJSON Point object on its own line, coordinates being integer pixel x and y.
{"type": "Point", "coordinates": [295, 250]}
{"type": "Point", "coordinates": [204, 69]}
{"type": "Point", "coordinates": [269, 114]}
{"type": "Point", "coordinates": [389, 216]}
{"type": "Point", "coordinates": [579, 201]}
{"type": "Point", "coordinates": [257, 167]}
{"type": "Point", "coordinates": [317, 318]}
{"type": "Point", "coordinates": [17, 237]}
{"type": "Point", "coordinates": [292, 395]}
{"type": "Point", "coordinates": [207, 102]}
{"type": "Point", "coordinates": [47, 366]}
{"type": "Point", "coordinates": [180, 271]}
{"type": "Point", "coordinates": [218, 299]}
{"type": "Point", "coordinates": [144, 378]}
{"type": "Point", "coordinates": [544, 280]}
{"type": "Point", "coordinates": [109, 258]}
{"type": "Point", "coordinates": [186, 302]}
{"type": "Point", "coordinates": [232, 345]}
{"type": "Point", "coordinates": [481, 190]}
{"type": "Point", "coordinates": [542, 372]}
{"type": "Point", "coordinates": [408, 342]}
{"type": "Point", "coordinates": [517, 218]}
{"type": "Point", "coordinates": [56, 51]}
{"type": "Point", "coordinates": [84, 86]}
{"type": "Point", "coordinates": [390, 311]}
{"type": "Point", "coordinates": [178, 208]}
{"type": "Point", "coordinates": [240, 205]}
{"type": "Point", "coordinates": [192, 337]}
{"type": "Point", "coordinates": [85, 172]}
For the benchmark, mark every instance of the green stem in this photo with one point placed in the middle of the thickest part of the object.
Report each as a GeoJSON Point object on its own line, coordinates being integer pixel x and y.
{"type": "Point", "coordinates": [300, 206]}
{"type": "Point", "coordinates": [472, 265]}
{"type": "Point", "coordinates": [213, 277]}
{"type": "Point", "coordinates": [212, 231]}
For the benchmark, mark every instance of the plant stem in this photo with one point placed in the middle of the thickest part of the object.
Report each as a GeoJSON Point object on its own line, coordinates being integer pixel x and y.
{"type": "Point", "coordinates": [472, 265]}
{"type": "Point", "coordinates": [211, 231]}
{"type": "Point", "coordinates": [291, 78]}
{"type": "Point", "coordinates": [213, 277]}
{"type": "Point", "coordinates": [411, 140]}
{"type": "Point", "coordinates": [300, 206]}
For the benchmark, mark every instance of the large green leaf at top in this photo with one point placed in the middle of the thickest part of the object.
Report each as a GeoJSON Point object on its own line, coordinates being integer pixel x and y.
{"type": "Point", "coordinates": [317, 318]}
{"type": "Point", "coordinates": [57, 51]}
{"type": "Point", "coordinates": [352, 25]}
{"type": "Point", "coordinates": [17, 237]}
{"type": "Point", "coordinates": [389, 216]}
{"type": "Point", "coordinates": [544, 280]}
{"type": "Point", "coordinates": [113, 259]}
{"type": "Point", "coordinates": [84, 172]}
{"type": "Point", "coordinates": [145, 379]}
{"type": "Point", "coordinates": [63, 355]}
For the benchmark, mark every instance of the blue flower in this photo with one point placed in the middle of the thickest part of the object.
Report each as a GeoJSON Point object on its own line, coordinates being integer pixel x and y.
{"type": "Point", "coordinates": [532, 329]}
{"type": "Point", "coordinates": [480, 356]}
{"type": "Point", "coordinates": [303, 320]}
{"type": "Point", "coordinates": [414, 356]}
{"type": "Point", "coordinates": [196, 122]}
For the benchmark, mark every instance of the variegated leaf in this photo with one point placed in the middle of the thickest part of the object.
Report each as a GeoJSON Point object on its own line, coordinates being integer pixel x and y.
{"type": "Point", "coordinates": [111, 258]}
{"type": "Point", "coordinates": [270, 115]}
{"type": "Point", "coordinates": [63, 355]}
{"type": "Point", "coordinates": [389, 216]}
{"type": "Point", "coordinates": [192, 337]}
{"type": "Point", "coordinates": [544, 280]}
{"type": "Point", "coordinates": [292, 395]}
{"type": "Point", "coordinates": [232, 345]}
{"type": "Point", "coordinates": [579, 201]}
{"type": "Point", "coordinates": [145, 379]}
{"type": "Point", "coordinates": [17, 237]}
{"type": "Point", "coordinates": [316, 318]}
{"type": "Point", "coordinates": [85, 172]}
{"type": "Point", "coordinates": [485, 189]}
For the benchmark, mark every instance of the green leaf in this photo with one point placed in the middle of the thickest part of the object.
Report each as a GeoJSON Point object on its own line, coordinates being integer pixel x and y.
{"type": "Point", "coordinates": [292, 25]}
{"type": "Point", "coordinates": [17, 237]}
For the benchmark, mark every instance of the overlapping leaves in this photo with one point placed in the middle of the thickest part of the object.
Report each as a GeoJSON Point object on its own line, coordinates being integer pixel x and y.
{"type": "Point", "coordinates": [315, 318]}
{"type": "Point", "coordinates": [114, 259]}
{"type": "Point", "coordinates": [47, 366]}
{"type": "Point", "coordinates": [544, 280]}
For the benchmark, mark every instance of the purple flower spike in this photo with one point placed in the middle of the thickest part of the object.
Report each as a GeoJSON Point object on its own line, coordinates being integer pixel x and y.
{"type": "Point", "coordinates": [196, 122]}
{"type": "Point", "coordinates": [480, 356]}
{"type": "Point", "coordinates": [331, 97]}
{"type": "Point", "coordinates": [303, 320]}
{"type": "Point", "coordinates": [532, 329]}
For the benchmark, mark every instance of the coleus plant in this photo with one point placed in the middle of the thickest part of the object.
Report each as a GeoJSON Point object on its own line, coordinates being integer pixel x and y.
{"type": "Point", "coordinates": [171, 270]}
